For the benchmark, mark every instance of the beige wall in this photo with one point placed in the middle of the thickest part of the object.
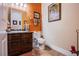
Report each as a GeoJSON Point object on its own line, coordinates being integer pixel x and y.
{"type": "Point", "coordinates": [61, 33]}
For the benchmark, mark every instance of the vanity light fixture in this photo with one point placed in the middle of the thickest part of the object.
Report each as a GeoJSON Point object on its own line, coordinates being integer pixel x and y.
{"type": "Point", "coordinates": [25, 5]}
{"type": "Point", "coordinates": [21, 4]}
{"type": "Point", "coordinates": [17, 4]}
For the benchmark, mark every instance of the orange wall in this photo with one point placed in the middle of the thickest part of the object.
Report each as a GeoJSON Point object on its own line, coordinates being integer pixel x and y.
{"type": "Point", "coordinates": [31, 7]}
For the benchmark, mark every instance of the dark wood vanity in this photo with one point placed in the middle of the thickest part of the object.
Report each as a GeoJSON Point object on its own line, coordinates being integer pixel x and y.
{"type": "Point", "coordinates": [19, 43]}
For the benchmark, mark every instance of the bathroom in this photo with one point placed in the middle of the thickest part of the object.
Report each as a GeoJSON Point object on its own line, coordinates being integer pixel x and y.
{"type": "Point", "coordinates": [29, 29]}
{"type": "Point", "coordinates": [18, 23]}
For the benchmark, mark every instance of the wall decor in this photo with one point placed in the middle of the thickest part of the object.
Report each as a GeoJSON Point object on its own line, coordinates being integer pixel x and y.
{"type": "Point", "coordinates": [14, 22]}
{"type": "Point", "coordinates": [19, 22]}
{"type": "Point", "coordinates": [36, 17]}
{"type": "Point", "coordinates": [54, 12]}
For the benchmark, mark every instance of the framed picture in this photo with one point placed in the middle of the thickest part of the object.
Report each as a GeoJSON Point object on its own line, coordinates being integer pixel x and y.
{"type": "Point", "coordinates": [14, 22]}
{"type": "Point", "coordinates": [54, 12]}
{"type": "Point", "coordinates": [36, 15]}
{"type": "Point", "coordinates": [36, 18]}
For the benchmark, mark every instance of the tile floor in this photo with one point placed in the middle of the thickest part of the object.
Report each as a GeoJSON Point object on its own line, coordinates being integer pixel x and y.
{"type": "Point", "coordinates": [46, 52]}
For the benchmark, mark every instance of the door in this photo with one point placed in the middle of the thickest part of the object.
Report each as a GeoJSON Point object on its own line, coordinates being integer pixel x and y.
{"type": "Point", "coordinates": [3, 45]}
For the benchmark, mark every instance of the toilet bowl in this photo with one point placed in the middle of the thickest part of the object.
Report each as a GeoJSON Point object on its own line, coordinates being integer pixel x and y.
{"type": "Point", "coordinates": [41, 42]}
{"type": "Point", "coordinates": [38, 42]}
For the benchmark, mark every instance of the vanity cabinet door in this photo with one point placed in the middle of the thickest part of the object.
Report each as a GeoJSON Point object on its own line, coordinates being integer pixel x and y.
{"type": "Point", "coordinates": [14, 47]}
{"type": "Point", "coordinates": [19, 43]}
{"type": "Point", "coordinates": [26, 42]}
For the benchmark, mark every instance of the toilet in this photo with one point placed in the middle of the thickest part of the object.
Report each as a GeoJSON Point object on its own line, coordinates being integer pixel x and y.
{"type": "Point", "coordinates": [41, 42]}
{"type": "Point", "coordinates": [38, 41]}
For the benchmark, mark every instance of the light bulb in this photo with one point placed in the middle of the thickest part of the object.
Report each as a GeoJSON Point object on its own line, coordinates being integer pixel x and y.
{"type": "Point", "coordinates": [21, 4]}
{"type": "Point", "coordinates": [17, 4]}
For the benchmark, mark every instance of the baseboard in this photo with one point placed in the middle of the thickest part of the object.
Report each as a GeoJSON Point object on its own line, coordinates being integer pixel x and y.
{"type": "Point", "coordinates": [61, 50]}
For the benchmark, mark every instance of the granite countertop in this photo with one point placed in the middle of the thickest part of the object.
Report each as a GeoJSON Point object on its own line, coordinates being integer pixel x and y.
{"type": "Point", "coordinates": [4, 32]}
{"type": "Point", "coordinates": [18, 32]}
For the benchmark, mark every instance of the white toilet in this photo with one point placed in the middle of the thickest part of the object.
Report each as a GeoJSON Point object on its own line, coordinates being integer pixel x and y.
{"type": "Point", "coordinates": [41, 42]}
{"type": "Point", "coordinates": [38, 42]}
